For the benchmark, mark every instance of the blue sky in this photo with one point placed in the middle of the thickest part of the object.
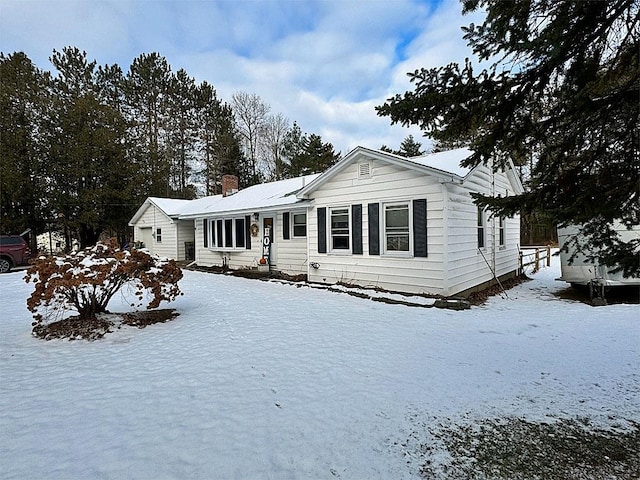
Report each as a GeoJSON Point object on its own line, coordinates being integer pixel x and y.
{"type": "Point", "coordinates": [323, 63]}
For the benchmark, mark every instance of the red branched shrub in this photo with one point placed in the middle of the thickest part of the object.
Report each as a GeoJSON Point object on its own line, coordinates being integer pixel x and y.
{"type": "Point", "coordinates": [86, 280]}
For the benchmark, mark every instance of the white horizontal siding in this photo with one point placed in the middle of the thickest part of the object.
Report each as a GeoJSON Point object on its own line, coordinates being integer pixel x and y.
{"type": "Point", "coordinates": [235, 258]}
{"type": "Point", "coordinates": [155, 218]}
{"type": "Point", "coordinates": [388, 183]}
{"type": "Point", "coordinates": [287, 256]}
{"type": "Point", "coordinates": [466, 266]}
{"type": "Point", "coordinates": [292, 252]}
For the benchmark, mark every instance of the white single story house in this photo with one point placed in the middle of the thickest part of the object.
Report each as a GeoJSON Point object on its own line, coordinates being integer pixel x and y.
{"type": "Point", "coordinates": [374, 219]}
{"type": "Point", "coordinates": [240, 229]}
{"type": "Point", "coordinates": [156, 227]}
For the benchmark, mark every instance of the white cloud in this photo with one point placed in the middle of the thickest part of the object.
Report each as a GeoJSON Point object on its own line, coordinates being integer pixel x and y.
{"type": "Point", "coordinates": [324, 64]}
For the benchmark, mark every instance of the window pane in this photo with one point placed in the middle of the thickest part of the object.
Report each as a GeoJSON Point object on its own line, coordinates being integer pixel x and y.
{"type": "Point", "coordinates": [240, 232]}
{"type": "Point", "coordinates": [228, 233]}
{"type": "Point", "coordinates": [398, 243]}
{"type": "Point", "coordinates": [340, 220]}
{"type": "Point", "coordinates": [397, 216]}
{"type": "Point", "coordinates": [211, 228]}
{"type": "Point", "coordinates": [340, 242]}
{"type": "Point", "coordinates": [396, 224]}
{"type": "Point", "coordinates": [300, 225]}
{"type": "Point", "coordinates": [480, 228]}
{"type": "Point", "coordinates": [219, 232]}
{"type": "Point", "coordinates": [340, 228]}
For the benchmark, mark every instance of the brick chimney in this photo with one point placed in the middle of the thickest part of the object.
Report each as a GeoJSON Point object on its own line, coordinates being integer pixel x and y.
{"type": "Point", "coordinates": [229, 185]}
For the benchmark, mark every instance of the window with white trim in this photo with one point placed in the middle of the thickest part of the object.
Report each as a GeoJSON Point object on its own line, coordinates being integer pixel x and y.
{"type": "Point", "coordinates": [159, 235]}
{"type": "Point", "coordinates": [397, 227]}
{"type": "Point", "coordinates": [501, 236]}
{"type": "Point", "coordinates": [299, 224]}
{"type": "Point", "coordinates": [481, 228]}
{"type": "Point", "coordinates": [340, 228]}
{"type": "Point", "coordinates": [227, 233]}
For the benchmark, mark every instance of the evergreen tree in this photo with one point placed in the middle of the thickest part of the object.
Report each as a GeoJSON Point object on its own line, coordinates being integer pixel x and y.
{"type": "Point", "coordinates": [408, 148]}
{"type": "Point", "coordinates": [563, 89]}
{"type": "Point", "coordinates": [292, 149]}
{"type": "Point", "coordinates": [319, 156]}
{"type": "Point", "coordinates": [86, 156]}
{"type": "Point", "coordinates": [219, 147]}
{"type": "Point", "coordinates": [181, 132]}
{"type": "Point", "coordinates": [147, 90]}
{"type": "Point", "coordinates": [24, 103]}
{"type": "Point", "coordinates": [307, 154]}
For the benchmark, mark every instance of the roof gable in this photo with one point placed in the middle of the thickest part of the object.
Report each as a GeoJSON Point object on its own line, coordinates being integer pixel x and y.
{"type": "Point", "coordinates": [445, 166]}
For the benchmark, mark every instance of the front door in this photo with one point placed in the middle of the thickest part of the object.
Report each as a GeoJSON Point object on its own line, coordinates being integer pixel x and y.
{"type": "Point", "coordinates": [268, 240]}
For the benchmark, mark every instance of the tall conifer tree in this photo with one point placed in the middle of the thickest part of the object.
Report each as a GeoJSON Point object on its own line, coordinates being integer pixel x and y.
{"type": "Point", "coordinates": [563, 89]}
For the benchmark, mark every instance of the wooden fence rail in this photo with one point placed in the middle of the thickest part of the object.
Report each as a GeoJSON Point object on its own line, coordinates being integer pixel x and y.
{"type": "Point", "coordinates": [535, 256]}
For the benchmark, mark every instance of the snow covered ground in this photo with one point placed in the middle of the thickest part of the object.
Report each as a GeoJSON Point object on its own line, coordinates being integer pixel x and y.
{"type": "Point", "coordinates": [260, 380]}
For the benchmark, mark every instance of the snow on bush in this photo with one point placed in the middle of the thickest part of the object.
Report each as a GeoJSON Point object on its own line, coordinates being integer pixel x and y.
{"type": "Point", "coordinates": [86, 280]}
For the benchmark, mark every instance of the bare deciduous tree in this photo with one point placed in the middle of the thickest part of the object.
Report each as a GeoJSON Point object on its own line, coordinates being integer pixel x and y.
{"type": "Point", "coordinates": [251, 117]}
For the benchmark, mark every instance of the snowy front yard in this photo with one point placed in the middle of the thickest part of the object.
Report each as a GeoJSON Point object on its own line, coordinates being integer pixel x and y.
{"type": "Point", "coordinates": [260, 380]}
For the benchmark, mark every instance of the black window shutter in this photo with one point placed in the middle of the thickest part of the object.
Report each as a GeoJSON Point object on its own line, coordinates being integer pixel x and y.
{"type": "Point", "coordinates": [206, 233]}
{"type": "Point", "coordinates": [285, 225]}
{"type": "Point", "coordinates": [420, 227]}
{"type": "Point", "coordinates": [322, 230]}
{"type": "Point", "coordinates": [356, 222]}
{"type": "Point", "coordinates": [374, 228]}
{"type": "Point", "coordinates": [247, 232]}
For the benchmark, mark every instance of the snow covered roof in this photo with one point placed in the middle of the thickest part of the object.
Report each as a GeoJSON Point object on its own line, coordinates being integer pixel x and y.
{"type": "Point", "coordinates": [257, 197]}
{"type": "Point", "coordinates": [170, 206]}
{"type": "Point", "coordinates": [448, 161]}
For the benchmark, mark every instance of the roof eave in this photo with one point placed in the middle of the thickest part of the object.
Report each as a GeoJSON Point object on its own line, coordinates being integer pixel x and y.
{"type": "Point", "coordinates": [140, 212]}
{"type": "Point", "coordinates": [245, 211]}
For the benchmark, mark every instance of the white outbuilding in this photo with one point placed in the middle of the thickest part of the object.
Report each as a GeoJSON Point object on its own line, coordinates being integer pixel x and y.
{"type": "Point", "coordinates": [158, 228]}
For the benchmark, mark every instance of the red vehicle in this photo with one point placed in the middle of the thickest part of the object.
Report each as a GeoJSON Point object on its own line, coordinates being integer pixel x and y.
{"type": "Point", "coordinates": [14, 252]}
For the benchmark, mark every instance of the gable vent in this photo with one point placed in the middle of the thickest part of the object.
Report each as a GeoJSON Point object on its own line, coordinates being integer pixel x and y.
{"type": "Point", "coordinates": [364, 170]}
